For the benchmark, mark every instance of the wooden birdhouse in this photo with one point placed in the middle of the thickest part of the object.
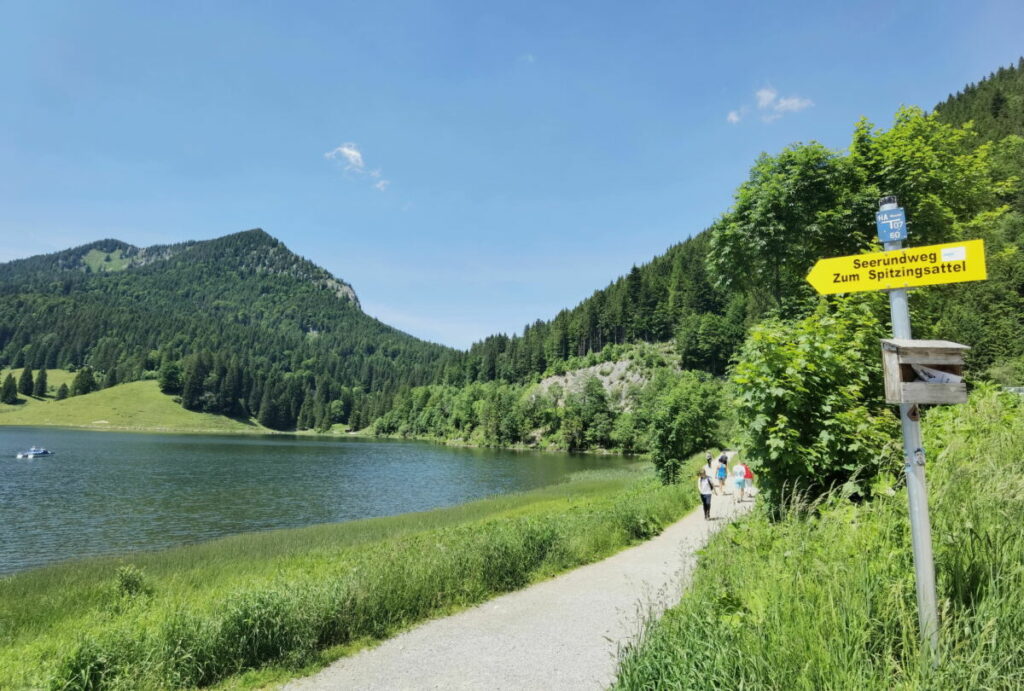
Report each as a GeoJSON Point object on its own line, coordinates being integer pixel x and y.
{"type": "Point", "coordinates": [926, 372]}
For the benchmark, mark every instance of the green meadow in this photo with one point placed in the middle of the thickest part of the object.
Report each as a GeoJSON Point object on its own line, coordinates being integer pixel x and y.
{"type": "Point", "coordinates": [247, 610]}
{"type": "Point", "coordinates": [54, 378]}
{"type": "Point", "coordinates": [136, 406]}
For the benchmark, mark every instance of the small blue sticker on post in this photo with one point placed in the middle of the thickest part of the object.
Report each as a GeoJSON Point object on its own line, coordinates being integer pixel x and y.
{"type": "Point", "coordinates": [891, 225]}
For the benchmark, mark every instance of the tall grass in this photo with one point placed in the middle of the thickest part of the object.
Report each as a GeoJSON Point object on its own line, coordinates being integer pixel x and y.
{"type": "Point", "coordinates": [198, 615]}
{"type": "Point", "coordinates": [825, 597]}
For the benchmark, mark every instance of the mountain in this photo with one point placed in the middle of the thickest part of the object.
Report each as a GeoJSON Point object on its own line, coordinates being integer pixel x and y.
{"type": "Point", "coordinates": [246, 321]}
{"type": "Point", "coordinates": [106, 256]}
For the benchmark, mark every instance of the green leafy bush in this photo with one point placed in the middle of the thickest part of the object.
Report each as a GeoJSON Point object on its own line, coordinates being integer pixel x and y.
{"type": "Point", "coordinates": [809, 401]}
{"type": "Point", "coordinates": [131, 582]}
{"type": "Point", "coordinates": [685, 420]}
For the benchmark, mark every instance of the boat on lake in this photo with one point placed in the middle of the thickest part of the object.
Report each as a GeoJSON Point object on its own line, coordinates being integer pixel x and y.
{"type": "Point", "coordinates": [35, 452]}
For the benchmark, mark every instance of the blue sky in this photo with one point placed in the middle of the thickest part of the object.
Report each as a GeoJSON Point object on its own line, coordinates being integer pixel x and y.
{"type": "Point", "coordinates": [469, 167]}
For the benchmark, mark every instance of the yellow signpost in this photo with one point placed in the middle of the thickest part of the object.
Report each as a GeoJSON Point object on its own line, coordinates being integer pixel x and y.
{"type": "Point", "coordinates": [954, 262]}
{"type": "Point", "coordinates": [895, 270]}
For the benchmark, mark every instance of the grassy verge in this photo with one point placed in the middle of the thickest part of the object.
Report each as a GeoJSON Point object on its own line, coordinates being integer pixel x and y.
{"type": "Point", "coordinates": [284, 601]}
{"type": "Point", "coordinates": [826, 598]}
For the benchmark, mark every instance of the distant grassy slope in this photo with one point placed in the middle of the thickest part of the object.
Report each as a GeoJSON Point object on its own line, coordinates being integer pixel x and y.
{"type": "Point", "coordinates": [136, 406]}
{"type": "Point", "coordinates": [98, 260]}
{"type": "Point", "coordinates": [54, 378]}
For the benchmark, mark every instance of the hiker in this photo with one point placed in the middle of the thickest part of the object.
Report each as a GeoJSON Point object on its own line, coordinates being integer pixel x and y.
{"type": "Point", "coordinates": [722, 473]}
{"type": "Point", "coordinates": [704, 489]}
{"type": "Point", "coordinates": [748, 480]}
{"type": "Point", "coordinates": [739, 477]}
{"type": "Point", "coordinates": [710, 471]}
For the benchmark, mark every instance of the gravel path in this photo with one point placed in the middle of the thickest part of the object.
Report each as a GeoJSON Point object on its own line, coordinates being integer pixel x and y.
{"type": "Point", "coordinates": [563, 633]}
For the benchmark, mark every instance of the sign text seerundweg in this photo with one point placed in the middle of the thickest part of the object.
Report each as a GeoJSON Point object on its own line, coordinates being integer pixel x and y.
{"type": "Point", "coordinates": [954, 262]}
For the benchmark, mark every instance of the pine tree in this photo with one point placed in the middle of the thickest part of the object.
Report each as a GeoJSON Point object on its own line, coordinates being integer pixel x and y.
{"type": "Point", "coordinates": [62, 392]}
{"type": "Point", "coordinates": [39, 388]}
{"type": "Point", "coordinates": [998, 104]}
{"type": "Point", "coordinates": [196, 369]}
{"type": "Point", "coordinates": [25, 382]}
{"type": "Point", "coordinates": [84, 382]}
{"type": "Point", "coordinates": [111, 378]}
{"type": "Point", "coordinates": [170, 377]}
{"type": "Point", "coordinates": [305, 418]}
{"type": "Point", "coordinates": [269, 410]}
{"type": "Point", "coordinates": [9, 393]}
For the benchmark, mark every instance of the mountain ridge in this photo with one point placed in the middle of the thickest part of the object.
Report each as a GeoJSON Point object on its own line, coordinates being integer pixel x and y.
{"type": "Point", "coordinates": [252, 328]}
{"type": "Point", "coordinates": [125, 256]}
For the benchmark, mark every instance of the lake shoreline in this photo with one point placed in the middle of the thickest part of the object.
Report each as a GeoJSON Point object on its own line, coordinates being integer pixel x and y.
{"type": "Point", "coordinates": [199, 486]}
{"type": "Point", "coordinates": [462, 444]}
{"type": "Point", "coordinates": [313, 434]}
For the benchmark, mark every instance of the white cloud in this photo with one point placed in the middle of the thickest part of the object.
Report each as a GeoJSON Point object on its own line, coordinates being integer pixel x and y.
{"type": "Point", "coordinates": [350, 152]}
{"type": "Point", "coordinates": [528, 57]}
{"type": "Point", "coordinates": [792, 104]}
{"type": "Point", "coordinates": [765, 97]}
{"type": "Point", "coordinates": [772, 107]}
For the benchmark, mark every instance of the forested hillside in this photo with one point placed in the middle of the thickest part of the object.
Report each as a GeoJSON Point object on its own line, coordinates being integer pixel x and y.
{"type": "Point", "coordinates": [995, 104]}
{"type": "Point", "coordinates": [238, 325]}
{"type": "Point", "coordinates": [672, 294]}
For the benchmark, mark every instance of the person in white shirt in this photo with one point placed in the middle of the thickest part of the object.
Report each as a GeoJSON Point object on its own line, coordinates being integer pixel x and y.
{"type": "Point", "coordinates": [704, 488]}
{"type": "Point", "coordinates": [709, 470]}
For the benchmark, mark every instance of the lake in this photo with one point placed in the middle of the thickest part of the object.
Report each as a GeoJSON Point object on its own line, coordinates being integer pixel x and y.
{"type": "Point", "coordinates": [111, 493]}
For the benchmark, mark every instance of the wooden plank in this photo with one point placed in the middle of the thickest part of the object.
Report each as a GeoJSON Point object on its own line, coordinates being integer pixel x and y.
{"type": "Point", "coordinates": [914, 343]}
{"type": "Point", "coordinates": [893, 378]}
{"type": "Point", "coordinates": [931, 357]}
{"type": "Point", "coordinates": [922, 392]}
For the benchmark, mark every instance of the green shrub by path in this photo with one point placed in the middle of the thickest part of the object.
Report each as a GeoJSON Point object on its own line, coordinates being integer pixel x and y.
{"type": "Point", "coordinates": [197, 615]}
{"type": "Point", "coordinates": [825, 597]}
{"type": "Point", "coordinates": [809, 404]}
